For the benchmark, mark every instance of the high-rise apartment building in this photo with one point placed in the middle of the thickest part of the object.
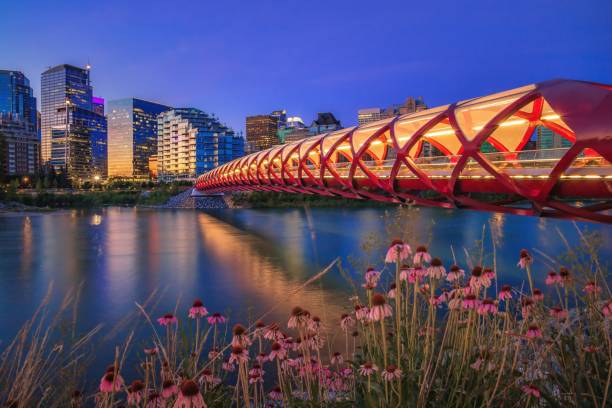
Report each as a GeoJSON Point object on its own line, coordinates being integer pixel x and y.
{"type": "Point", "coordinates": [19, 150]}
{"type": "Point", "coordinates": [261, 131]}
{"type": "Point", "coordinates": [411, 105]}
{"type": "Point", "coordinates": [132, 136]}
{"type": "Point", "coordinates": [73, 134]}
{"type": "Point", "coordinates": [191, 142]}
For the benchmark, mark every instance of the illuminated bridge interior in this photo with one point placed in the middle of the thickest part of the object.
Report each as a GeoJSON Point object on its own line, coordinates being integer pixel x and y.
{"type": "Point", "coordinates": [543, 149]}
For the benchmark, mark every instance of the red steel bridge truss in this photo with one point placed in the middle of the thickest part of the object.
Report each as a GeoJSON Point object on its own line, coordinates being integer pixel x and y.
{"type": "Point", "coordinates": [543, 149]}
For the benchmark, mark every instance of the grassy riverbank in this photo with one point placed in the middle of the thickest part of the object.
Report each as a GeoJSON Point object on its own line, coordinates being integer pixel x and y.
{"type": "Point", "coordinates": [261, 199]}
{"type": "Point", "coordinates": [86, 199]}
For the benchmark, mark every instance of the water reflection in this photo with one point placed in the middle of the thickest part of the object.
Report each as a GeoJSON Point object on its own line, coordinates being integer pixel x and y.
{"type": "Point", "coordinates": [259, 277]}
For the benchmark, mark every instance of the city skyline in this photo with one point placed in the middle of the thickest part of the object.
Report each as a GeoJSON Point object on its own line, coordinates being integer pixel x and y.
{"type": "Point", "coordinates": [216, 66]}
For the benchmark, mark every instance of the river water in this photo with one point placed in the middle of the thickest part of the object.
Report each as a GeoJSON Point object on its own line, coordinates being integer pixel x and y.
{"type": "Point", "coordinates": [241, 262]}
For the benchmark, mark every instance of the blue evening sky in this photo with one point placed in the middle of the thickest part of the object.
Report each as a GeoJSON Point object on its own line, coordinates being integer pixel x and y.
{"type": "Point", "coordinates": [237, 58]}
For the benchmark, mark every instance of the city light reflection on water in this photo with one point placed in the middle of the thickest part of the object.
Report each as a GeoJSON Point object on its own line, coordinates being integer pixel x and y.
{"type": "Point", "coordinates": [241, 262]}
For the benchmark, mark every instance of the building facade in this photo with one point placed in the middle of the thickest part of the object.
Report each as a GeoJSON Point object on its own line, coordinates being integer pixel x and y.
{"type": "Point", "coordinates": [73, 132]}
{"type": "Point", "coordinates": [132, 136]}
{"type": "Point", "coordinates": [324, 123]}
{"type": "Point", "coordinates": [261, 131]}
{"type": "Point", "coordinates": [19, 150]}
{"type": "Point", "coordinates": [191, 142]}
{"type": "Point", "coordinates": [411, 105]}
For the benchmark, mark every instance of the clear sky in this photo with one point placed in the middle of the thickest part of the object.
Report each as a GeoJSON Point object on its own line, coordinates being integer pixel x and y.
{"type": "Point", "coordinates": [236, 58]}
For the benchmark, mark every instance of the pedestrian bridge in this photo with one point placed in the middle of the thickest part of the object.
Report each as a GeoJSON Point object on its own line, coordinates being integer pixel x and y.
{"type": "Point", "coordinates": [543, 149]}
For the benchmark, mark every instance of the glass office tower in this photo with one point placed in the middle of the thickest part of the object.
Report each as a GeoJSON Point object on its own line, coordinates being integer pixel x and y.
{"type": "Point", "coordinates": [73, 132]}
{"type": "Point", "coordinates": [191, 142]}
{"type": "Point", "coordinates": [19, 153]}
{"type": "Point", "coordinates": [132, 136]}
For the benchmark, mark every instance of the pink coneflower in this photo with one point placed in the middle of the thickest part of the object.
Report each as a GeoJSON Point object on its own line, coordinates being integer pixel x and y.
{"type": "Point", "coordinates": [216, 318]}
{"type": "Point", "coordinates": [111, 381]}
{"type": "Point", "coordinates": [227, 366]}
{"type": "Point", "coordinates": [525, 259]}
{"type": "Point", "coordinates": [436, 300]}
{"type": "Point", "coordinates": [197, 309]}
{"type": "Point", "coordinates": [273, 332]}
{"type": "Point", "coordinates": [189, 396]}
{"type": "Point", "coordinates": [299, 318]}
{"type": "Point", "coordinates": [488, 273]}
{"type": "Point", "coordinates": [397, 249]}
{"type": "Point", "coordinates": [135, 392]}
{"type": "Point", "coordinates": [276, 394]}
{"type": "Point", "coordinates": [151, 351]}
{"type": "Point", "coordinates": [565, 278]}
{"type": "Point", "coordinates": [470, 302]}
{"type": "Point", "coordinates": [255, 378]}
{"type": "Point", "coordinates": [277, 351]}
{"type": "Point", "coordinates": [487, 307]}
{"type": "Point", "coordinates": [314, 324]}
{"type": "Point", "coordinates": [76, 400]}
{"type": "Point", "coordinates": [455, 274]}
{"type": "Point", "coordinates": [346, 322]}
{"type": "Point", "coordinates": [361, 312]}
{"type": "Point", "coordinates": [337, 358]}
{"type": "Point", "coordinates": [478, 279]}
{"type": "Point", "coordinates": [240, 338]}
{"type": "Point", "coordinates": [391, 373]}
{"type": "Point", "coordinates": [167, 319]}
{"type": "Point", "coordinates": [505, 292]}
{"type": "Point", "coordinates": [380, 308]}
{"type": "Point", "coordinates": [155, 400]}
{"type": "Point", "coordinates": [436, 270]}
{"type": "Point", "coordinates": [531, 390]}
{"type": "Point", "coordinates": [367, 369]}
{"type": "Point", "coordinates": [169, 389]}
{"type": "Point", "coordinates": [256, 370]}
{"type": "Point", "coordinates": [208, 376]}
{"type": "Point", "coordinates": [537, 296]}
{"type": "Point", "coordinates": [606, 309]}
{"type": "Point", "coordinates": [213, 353]}
{"type": "Point", "coordinates": [533, 332]}
{"type": "Point", "coordinates": [421, 255]}
{"type": "Point", "coordinates": [261, 358]}
{"type": "Point", "coordinates": [591, 288]}
{"type": "Point", "coordinates": [391, 291]}
{"type": "Point", "coordinates": [591, 349]}
{"type": "Point", "coordinates": [558, 313]}
{"type": "Point", "coordinates": [526, 307]}
{"type": "Point", "coordinates": [404, 272]}
{"type": "Point", "coordinates": [371, 277]}
{"type": "Point", "coordinates": [259, 328]}
{"type": "Point", "coordinates": [239, 354]}
{"type": "Point", "coordinates": [552, 278]}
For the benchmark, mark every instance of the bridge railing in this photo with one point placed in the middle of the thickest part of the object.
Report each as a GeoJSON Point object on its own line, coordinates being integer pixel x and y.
{"type": "Point", "coordinates": [520, 162]}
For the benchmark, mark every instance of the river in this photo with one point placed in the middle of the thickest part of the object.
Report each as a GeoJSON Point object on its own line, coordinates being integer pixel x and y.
{"type": "Point", "coordinates": [241, 262]}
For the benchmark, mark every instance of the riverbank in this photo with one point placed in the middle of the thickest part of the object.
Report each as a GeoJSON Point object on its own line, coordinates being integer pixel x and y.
{"type": "Point", "coordinates": [45, 200]}
{"type": "Point", "coordinates": [265, 199]}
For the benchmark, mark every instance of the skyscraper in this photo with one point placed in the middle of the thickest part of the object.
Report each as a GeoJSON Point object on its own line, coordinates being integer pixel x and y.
{"type": "Point", "coordinates": [73, 133]}
{"type": "Point", "coordinates": [191, 142]}
{"type": "Point", "coordinates": [261, 131]}
{"type": "Point", "coordinates": [19, 153]}
{"type": "Point", "coordinates": [132, 136]}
